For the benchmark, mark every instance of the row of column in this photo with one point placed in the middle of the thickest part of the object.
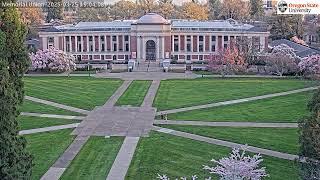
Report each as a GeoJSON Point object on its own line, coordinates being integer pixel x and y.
{"type": "Point", "coordinates": [96, 41]}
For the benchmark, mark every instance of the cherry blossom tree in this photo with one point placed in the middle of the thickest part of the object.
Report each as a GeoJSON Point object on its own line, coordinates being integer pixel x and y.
{"type": "Point", "coordinates": [228, 61]}
{"type": "Point", "coordinates": [282, 60]}
{"type": "Point", "coordinates": [52, 60]}
{"type": "Point", "coordinates": [310, 66]}
{"type": "Point", "coordinates": [238, 166]}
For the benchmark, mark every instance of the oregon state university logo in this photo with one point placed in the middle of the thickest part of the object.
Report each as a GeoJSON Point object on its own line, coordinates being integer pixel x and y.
{"type": "Point", "coordinates": [282, 6]}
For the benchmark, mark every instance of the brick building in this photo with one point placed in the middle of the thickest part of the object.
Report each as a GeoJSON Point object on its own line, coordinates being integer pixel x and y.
{"type": "Point", "coordinates": [150, 38]}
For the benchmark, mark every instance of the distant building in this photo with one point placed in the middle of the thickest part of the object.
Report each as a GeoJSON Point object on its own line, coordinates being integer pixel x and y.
{"type": "Point", "coordinates": [151, 38]}
{"type": "Point", "coordinates": [300, 50]}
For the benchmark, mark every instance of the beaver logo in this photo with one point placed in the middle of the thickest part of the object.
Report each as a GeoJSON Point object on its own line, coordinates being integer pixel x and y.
{"type": "Point", "coordinates": [282, 6]}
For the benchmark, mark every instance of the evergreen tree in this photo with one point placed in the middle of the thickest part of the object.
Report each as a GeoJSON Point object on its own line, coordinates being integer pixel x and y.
{"type": "Point", "coordinates": [15, 161]}
{"type": "Point", "coordinates": [214, 9]}
{"type": "Point", "coordinates": [55, 10]}
{"type": "Point", "coordinates": [310, 141]}
{"type": "Point", "coordinates": [256, 9]}
{"type": "Point", "coordinates": [286, 26]}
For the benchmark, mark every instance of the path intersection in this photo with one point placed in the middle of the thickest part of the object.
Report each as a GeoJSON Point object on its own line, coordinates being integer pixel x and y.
{"type": "Point", "coordinates": [135, 122]}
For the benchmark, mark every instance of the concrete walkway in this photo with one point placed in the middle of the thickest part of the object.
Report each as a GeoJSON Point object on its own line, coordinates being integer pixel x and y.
{"type": "Point", "coordinates": [148, 100]}
{"type": "Point", "coordinates": [236, 101]}
{"type": "Point", "coordinates": [52, 116]}
{"type": "Point", "coordinates": [57, 105]}
{"type": "Point", "coordinates": [228, 124]}
{"type": "Point", "coordinates": [146, 75]}
{"type": "Point", "coordinates": [47, 129]}
{"type": "Point", "coordinates": [227, 144]}
{"type": "Point", "coordinates": [114, 98]}
{"type": "Point", "coordinates": [122, 162]}
{"type": "Point", "coordinates": [57, 169]}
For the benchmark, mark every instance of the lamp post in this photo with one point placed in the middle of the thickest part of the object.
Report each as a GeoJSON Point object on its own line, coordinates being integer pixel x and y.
{"type": "Point", "coordinates": [89, 68]}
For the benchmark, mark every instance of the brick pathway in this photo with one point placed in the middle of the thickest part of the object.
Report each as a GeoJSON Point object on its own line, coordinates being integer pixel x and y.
{"type": "Point", "coordinates": [114, 98]}
{"type": "Point", "coordinates": [147, 75]}
{"type": "Point", "coordinates": [57, 105]}
{"type": "Point", "coordinates": [52, 116]}
{"type": "Point", "coordinates": [227, 144]}
{"type": "Point", "coordinates": [228, 124]}
{"type": "Point", "coordinates": [236, 101]}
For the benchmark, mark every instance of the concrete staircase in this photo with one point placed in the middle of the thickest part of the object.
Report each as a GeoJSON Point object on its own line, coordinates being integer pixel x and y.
{"type": "Point", "coordinates": [148, 66]}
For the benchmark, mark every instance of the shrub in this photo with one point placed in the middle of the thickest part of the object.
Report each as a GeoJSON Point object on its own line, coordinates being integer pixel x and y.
{"type": "Point", "coordinates": [310, 66]}
{"type": "Point", "coordinates": [52, 60]}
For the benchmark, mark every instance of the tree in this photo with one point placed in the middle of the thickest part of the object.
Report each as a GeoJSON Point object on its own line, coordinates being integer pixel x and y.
{"type": "Point", "coordinates": [32, 16]}
{"type": "Point", "coordinates": [195, 11]}
{"type": "Point", "coordinates": [285, 26]}
{"type": "Point", "coordinates": [309, 129]}
{"type": "Point", "coordinates": [282, 60]}
{"type": "Point", "coordinates": [55, 10]}
{"type": "Point", "coordinates": [124, 9]}
{"type": "Point", "coordinates": [15, 161]}
{"type": "Point", "coordinates": [310, 66]}
{"type": "Point", "coordinates": [238, 166]}
{"type": "Point", "coordinates": [147, 6]}
{"type": "Point", "coordinates": [235, 9]}
{"type": "Point", "coordinates": [256, 9]}
{"type": "Point", "coordinates": [52, 60]}
{"type": "Point", "coordinates": [214, 9]}
{"type": "Point", "coordinates": [166, 8]}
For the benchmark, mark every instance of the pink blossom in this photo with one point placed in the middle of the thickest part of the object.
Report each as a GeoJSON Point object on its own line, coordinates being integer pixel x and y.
{"type": "Point", "coordinates": [310, 65]}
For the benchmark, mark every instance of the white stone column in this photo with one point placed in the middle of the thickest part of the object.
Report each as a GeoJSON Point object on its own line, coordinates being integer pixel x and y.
{"type": "Point", "coordinates": [172, 43]}
{"type": "Point", "coordinates": [70, 44]}
{"type": "Point", "coordinates": [143, 49]}
{"type": "Point", "coordinates": [191, 43]}
{"type": "Point", "coordinates": [76, 43]}
{"type": "Point", "coordinates": [87, 44]}
{"type": "Point", "coordinates": [138, 48]}
{"type": "Point", "coordinates": [81, 40]}
{"type": "Point", "coordinates": [210, 43]}
{"type": "Point", "coordinates": [45, 42]}
{"type": "Point", "coordinates": [262, 43]}
{"type": "Point", "coordinates": [158, 49]}
{"type": "Point", "coordinates": [162, 47]}
{"type": "Point", "coordinates": [198, 43]}
{"type": "Point", "coordinates": [64, 43]}
{"type": "Point", "coordinates": [94, 43]}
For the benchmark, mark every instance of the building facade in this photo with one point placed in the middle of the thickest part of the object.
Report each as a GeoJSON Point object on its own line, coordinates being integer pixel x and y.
{"type": "Point", "coordinates": [151, 38]}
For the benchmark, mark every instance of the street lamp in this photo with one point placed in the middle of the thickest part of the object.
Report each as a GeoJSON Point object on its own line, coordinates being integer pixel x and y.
{"type": "Point", "coordinates": [89, 67]}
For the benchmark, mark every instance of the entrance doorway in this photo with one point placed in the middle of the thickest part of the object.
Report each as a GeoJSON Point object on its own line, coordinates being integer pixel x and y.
{"type": "Point", "coordinates": [150, 50]}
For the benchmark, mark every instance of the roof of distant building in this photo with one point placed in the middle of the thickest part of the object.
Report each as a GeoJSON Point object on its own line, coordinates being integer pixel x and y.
{"type": "Point", "coordinates": [300, 50]}
{"type": "Point", "coordinates": [152, 18]}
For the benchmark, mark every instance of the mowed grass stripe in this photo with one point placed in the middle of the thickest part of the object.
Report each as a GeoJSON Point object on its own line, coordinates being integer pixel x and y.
{"type": "Point", "coordinates": [135, 94]}
{"type": "Point", "coordinates": [33, 107]}
{"type": "Point", "coordinates": [289, 108]}
{"type": "Point", "coordinates": [27, 122]}
{"type": "Point", "coordinates": [180, 157]}
{"type": "Point", "coordinates": [80, 92]}
{"type": "Point", "coordinates": [185, 93]}
{"type": "Point", "coordinates": [46, 149]}
{"type": "Point", "coordinates": [94, 160]}
{"type": "Point", "coordinates": [277, 139]}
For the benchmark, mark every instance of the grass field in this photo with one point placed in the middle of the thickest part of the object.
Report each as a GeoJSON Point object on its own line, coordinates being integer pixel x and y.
{"type": "Point", "coordinates": [29, 106]}
{"type": "Point", "coordinates": [46, 148]}
{"type": "Point", "coordinates": [135, 94]}
{"type": "Point", "coordinates": [290, 108]}
{"type": "Point", "coordinates": [183, 93]}
{"type": "Point", "coordinates": [27, 122]}
{"type": "Point", "coordinates": [175, 156]}
{"type": "Point", "coordinates": [94, 160]}
{"type": "Point", "coordinates": [81, 92]}
{"type": "Point", "coordinates": [277, 139]}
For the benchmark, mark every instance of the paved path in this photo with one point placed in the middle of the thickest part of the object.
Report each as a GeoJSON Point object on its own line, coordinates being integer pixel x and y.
{"type": "Point", "coordinates": [46, 129]}
{"type": "Point", "coordinates": [227, 144]}
{"type": "Point", "coordinates": [228, 124]}
{"type": "Point", "coordinates": [147, 75]}
{"type": "Point", "coordinates": [114, 98]}
{"type": "Point", "coordinates": [57, 105]}
{"type": "Point", "coordinates": [52, 116]}
{"type": "Point", "coordinates": [245, 76]}
{"type": "Point", "coordinates": [122, 162]}
{"type": "Point", "coordinates": [236, 101]}
{"type": "Point", "coordinates": [57, 169]}
{"type": "Point", "coordinates": [148, 100]}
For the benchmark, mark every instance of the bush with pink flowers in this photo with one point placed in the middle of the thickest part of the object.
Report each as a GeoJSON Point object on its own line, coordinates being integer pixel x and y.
{"type": "Point", "coordinates": [310, 66]}
{"type": "Point", "coordinates": [52, 60]}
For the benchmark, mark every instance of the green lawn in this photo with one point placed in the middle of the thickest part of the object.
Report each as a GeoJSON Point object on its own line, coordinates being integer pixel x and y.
{"type": "Point", "coordinates": [135, 94]}
{"type": "Point", "coordinates": [176, 156]}
{"type": "Point", "coordinates": [183, 93]}
{"type": "Point", "coordinates": [288, 108]}
{"type": "Point", "coordinates": [95, 159]}
{"type": "Point", "coordinates": [27, 122]}
{"type": "Point", "coordinates": [277, 139]}
{"type": "Point", "coordinates": [81, 92]}
{"type": "Point", "coordinates": [29, 106]}
{"type": "Point", "coordinates": [46, 148]}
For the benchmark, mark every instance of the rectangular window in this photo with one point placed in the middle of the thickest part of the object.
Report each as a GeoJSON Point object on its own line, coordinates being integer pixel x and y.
{"type": "Point", "coordinates": [102, 47]}
{"type": "Point", "coordinates": [213, 38]}
{"type": "Point", "coordinates": [188, 43]}
{"type": "Point", "coordinates": [67, 43]}
{"type": "Point", "coordinates": [188, 57]}
{"type": "Point", "coordinates": [201, 57]}
{"type": "Point", "coordinates": [115, 47]}
{"type": "Point", "coordinates": [50, 39]}
{"type": "Point", "coordinates": [126, 38]}
{"type": "Point", "coordinates": [176, 43]}
{"type": "Point", "coordinates": [226, 38]}
{"type": "Point", "coordinates": [114, 38]}
{"type": "Point", "coordinates": [102, 38]}
{"type": "Point", "coordinates": [201, 43]}
{"type": "Point", "coordinates": [90, 43]}
{"type": "Point", "coordinates": [127, 47]}
{"type": "Point", "coordinates": [102, 57]}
